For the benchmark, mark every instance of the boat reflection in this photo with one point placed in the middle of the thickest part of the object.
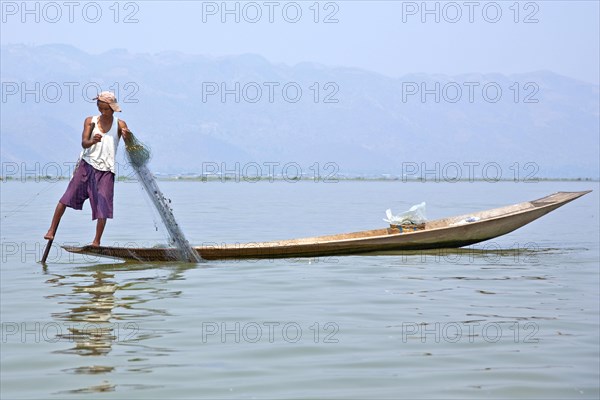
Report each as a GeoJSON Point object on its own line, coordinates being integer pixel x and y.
{"type": "Point", "coordinates": [106, 306]}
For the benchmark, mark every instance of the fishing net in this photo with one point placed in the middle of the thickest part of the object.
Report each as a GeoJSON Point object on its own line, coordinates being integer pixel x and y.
{"type": "Point", "coordinates": [138, 155]}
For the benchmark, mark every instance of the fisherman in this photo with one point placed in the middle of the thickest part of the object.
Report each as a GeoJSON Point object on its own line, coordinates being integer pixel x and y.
{"type": "Point", "coordinates": [94, 176]}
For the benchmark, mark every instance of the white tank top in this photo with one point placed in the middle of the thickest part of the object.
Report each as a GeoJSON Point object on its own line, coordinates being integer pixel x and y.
{"type": "Point", "coordinates": [102, 154]}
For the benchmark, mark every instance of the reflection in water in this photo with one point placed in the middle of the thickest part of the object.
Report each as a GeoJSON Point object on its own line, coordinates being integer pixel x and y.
{"type": "Point", "coordinates": [91, 312]}
{"type": "Point", "coordinates": [105, 306]}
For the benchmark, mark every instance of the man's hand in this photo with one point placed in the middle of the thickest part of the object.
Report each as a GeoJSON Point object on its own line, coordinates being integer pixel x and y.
{"type": "Point", "coordinates": [125, 133]}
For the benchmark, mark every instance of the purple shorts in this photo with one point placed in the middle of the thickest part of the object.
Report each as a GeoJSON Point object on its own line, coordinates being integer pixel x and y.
{"type": "Point", "coordinates": [90, 183]}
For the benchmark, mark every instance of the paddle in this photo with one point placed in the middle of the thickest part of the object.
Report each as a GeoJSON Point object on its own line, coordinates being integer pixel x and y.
{"type": "Point", "coordinates": [48, 246]}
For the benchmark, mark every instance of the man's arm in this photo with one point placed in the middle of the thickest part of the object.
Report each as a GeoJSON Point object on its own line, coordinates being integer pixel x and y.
{"type": "Point", "coordinates": [86, 140]}
{"type": "Point", "coordinates": [123, 130]}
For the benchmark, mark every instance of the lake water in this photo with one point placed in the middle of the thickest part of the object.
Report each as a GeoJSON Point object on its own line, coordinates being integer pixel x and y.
{"type": "Point", "coordinates": [518, 323]}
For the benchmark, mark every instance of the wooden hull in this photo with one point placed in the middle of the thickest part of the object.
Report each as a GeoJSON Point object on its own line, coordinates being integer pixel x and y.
{"type": "Point", "coordinates": [450, 232]}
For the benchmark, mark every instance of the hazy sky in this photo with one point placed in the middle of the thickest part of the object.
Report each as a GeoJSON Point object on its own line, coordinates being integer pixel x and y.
{"type": "Point", "coordinates": [390, 37]}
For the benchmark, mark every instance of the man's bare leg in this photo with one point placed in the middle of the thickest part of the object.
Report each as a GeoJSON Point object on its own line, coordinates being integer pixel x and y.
{"type": "Point", "coordinates": [99, 231]}
{"type": "Point", "coordinates": [58, 213]}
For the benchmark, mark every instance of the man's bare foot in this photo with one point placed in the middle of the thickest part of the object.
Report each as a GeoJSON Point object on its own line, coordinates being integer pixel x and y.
{"type": "Point", "coordinates": [49, 235]}
{"type": "Point", "coordinates": [95, 244]}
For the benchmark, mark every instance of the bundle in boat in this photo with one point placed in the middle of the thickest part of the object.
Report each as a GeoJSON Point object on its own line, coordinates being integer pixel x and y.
{"type": "Point", "coordinates": [409, 221]}
{"type": "Point", "coordinates": [406, 228]}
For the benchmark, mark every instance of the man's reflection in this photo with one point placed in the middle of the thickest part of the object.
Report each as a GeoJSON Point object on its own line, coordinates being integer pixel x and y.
{"type": "Point", "coordinates": [88, 320]}
{"type": "Point", "coordinates": [92, 326]}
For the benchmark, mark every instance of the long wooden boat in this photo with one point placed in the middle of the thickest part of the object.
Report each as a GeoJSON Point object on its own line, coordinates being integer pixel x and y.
{"type": "Point", "coordinates": [452, 232]}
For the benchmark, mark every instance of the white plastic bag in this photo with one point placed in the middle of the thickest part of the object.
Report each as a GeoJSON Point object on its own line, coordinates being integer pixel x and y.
{"type": "Point", "coordinates": [415, 215]}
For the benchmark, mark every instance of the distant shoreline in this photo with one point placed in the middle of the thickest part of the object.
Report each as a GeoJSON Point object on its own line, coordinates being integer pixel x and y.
{"type": "Point", "coordinates": [324, 179]}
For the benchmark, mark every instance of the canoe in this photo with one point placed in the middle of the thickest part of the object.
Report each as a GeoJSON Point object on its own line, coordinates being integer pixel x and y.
{"type": "Point", "coordinates": [452, 232]}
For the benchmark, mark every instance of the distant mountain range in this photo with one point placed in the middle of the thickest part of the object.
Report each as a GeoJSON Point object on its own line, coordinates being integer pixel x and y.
{"type": "Point", "coordinates": [201, 114]}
